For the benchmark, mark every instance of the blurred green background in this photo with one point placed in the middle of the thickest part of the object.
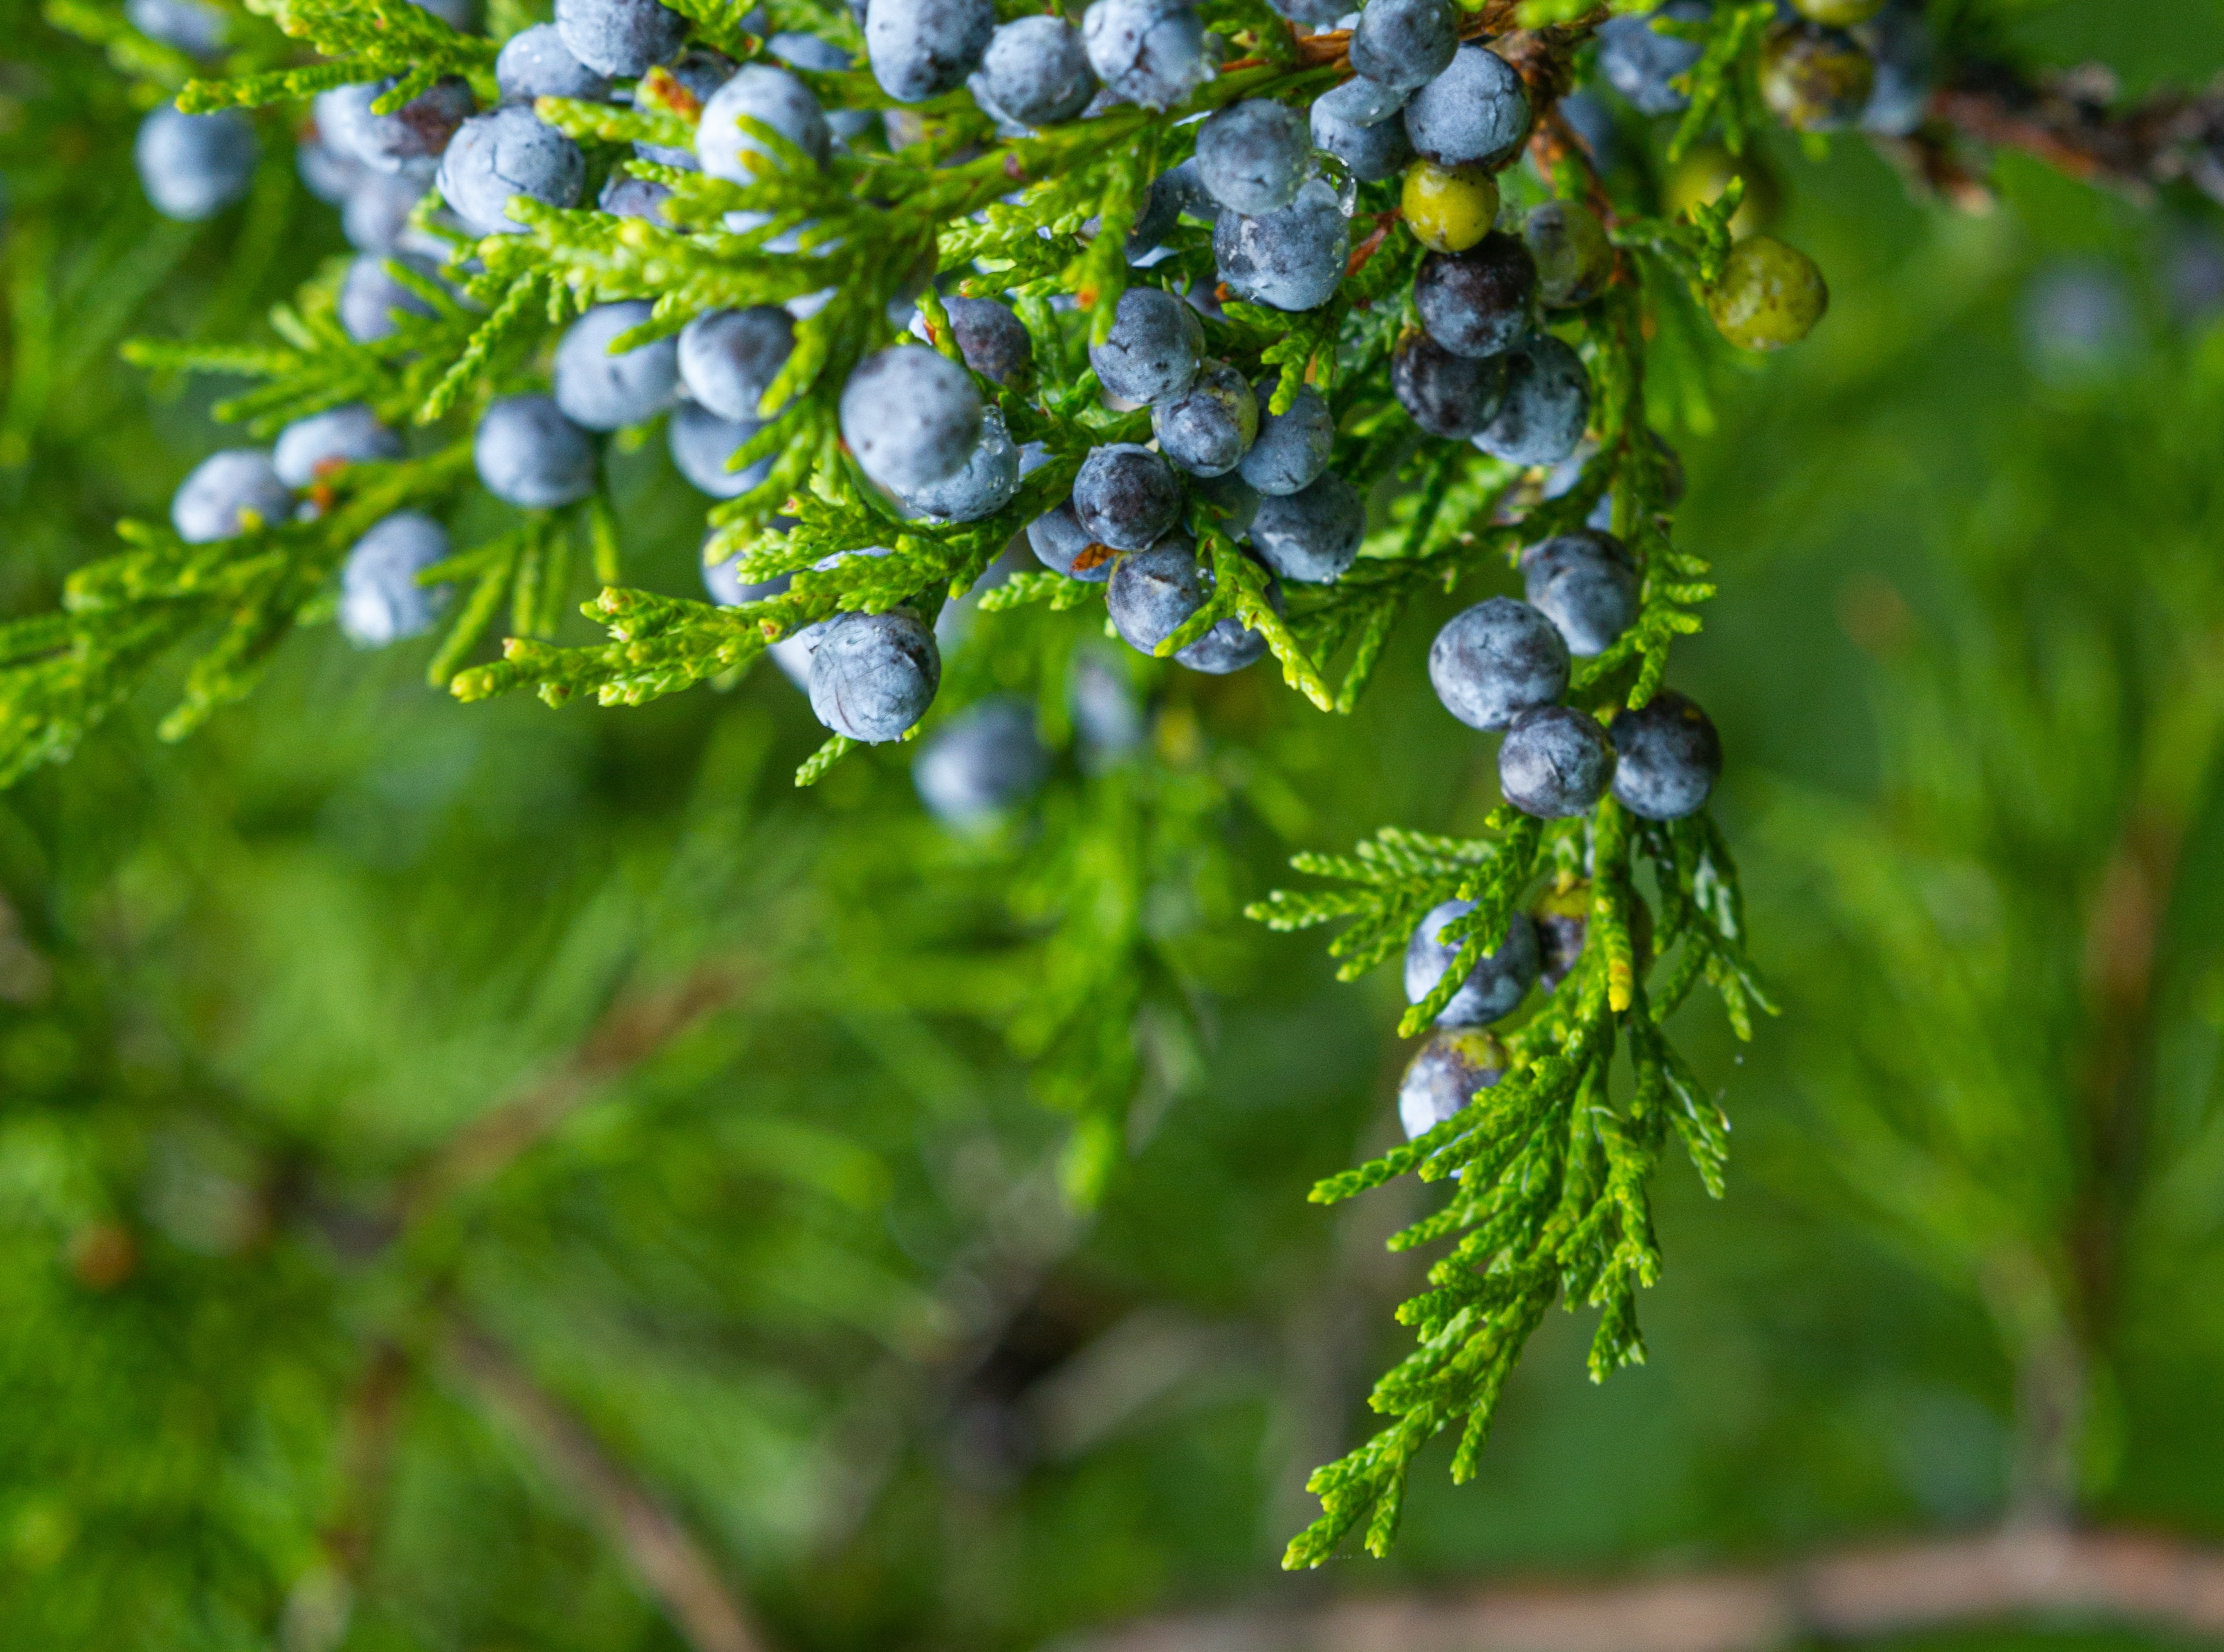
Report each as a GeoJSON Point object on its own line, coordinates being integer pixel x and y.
{"type": "Point", "coordinates": [768, 1224]}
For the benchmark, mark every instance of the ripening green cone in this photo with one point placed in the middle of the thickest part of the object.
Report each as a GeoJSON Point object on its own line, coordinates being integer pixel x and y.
{"type": "Point", "coordinates": [1815, 79]}
{"type": "Point", "coordinates": [1703, 175]}
{"type": "Point", "coordinates": [1769, 295]}
{"type": "Point", "coordinates": [1837, 13]}
{"type": "Point", "coordinates": [1449, 209]}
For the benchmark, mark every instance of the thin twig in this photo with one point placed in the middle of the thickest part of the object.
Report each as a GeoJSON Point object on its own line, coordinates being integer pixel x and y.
{"type": "Point", "coordinates": [630, 1032]}
{"type": "Point", "coordinates": [2135, 1577]}
{"type": "Point", "coordinates": [663, 1553]}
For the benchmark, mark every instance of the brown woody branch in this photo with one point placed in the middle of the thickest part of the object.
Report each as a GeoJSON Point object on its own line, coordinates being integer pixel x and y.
{"type": "Point", "coordinates": [663, 1554]}
{"type": "Point", "coordinates": [2157, 1581]}
{"type": "Point", "coordinates": [2071, 122]}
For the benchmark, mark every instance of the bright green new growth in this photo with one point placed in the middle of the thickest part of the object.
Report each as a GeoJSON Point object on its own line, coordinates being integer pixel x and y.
{"type": "Point", "coordinates": [1553, 1202]}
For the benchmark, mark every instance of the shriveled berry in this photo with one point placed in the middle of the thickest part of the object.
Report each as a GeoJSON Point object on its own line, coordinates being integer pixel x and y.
{"type": "Point", "coordinates": [1479, 302]}
{"type": "Point", "coordinates": [911, 416]}
{"type": "Point", "coordinates": [1374, 150]}
{"type": "Point", "coordinates": [1668, 757]}
{"type": "Point", "coordinates": [1476, 113]}
{"type": "Point", "coordinates": [1815, 79]}
{"type": "Point", "coordinates": [1585, 583]}
{"type": "Point", "coordinates": [728, 359]}
{"type": "Point", "coordinates": [1449, 209]}
{"type": "Point", "coordinates": [535, 63]}
{"type": "Point", "coordinates": [1449, 395]}
{"type": "Point", "coordinates": [1554, 762]}
{"type": "Point", "coordinates": [620, 37]}
{"type": "Point", "coordinates": [1125, 497]}
{"type": "Point", "coordinates": [1641, 62]}
{"type": "Point", "coordinates": [529, 453]}
{"type": "Point", "coordinates": [1311, 536]}
{"type": "Point", "coordinates": [1444, 1075]}
{"type": "Point", "coordinates": [1063, 546]}
{"type": "Point", "coordinates": [1209, 428]}
{"type": "Point", "coordinates": [1291, 259]}
{"type": "Point", "coordinates": [1153, 349]}
{"type": "Point", "coordinates": [420, 129]}
{"type": "Point", "coordinates": [1494, 987]}
{"type": "Point", "coordinates": [991, 338]}
{"type": "Point", "coordinates": [981, 763]}
{"type": "Point", "coordinates": [983, 486]}
{"type": "Point", "coordinates": [601, 391]}
{"type": "Point", "coordinates": [771, 97]}
{"type": "Point", "coordinates": [1495, 661]}
{"type": "Point", "coordinates": [309, 448]}
{"type": "Point", "coordinates": [1575, 260]}
{"type": "Point", "coordinates": [381, 601]}
{"type": "Point", "coordinates": [873, 675]}
{"type": "Point", "coordinates": [223, 491]}
{"type": "Point", "coordinates": [921, 48]}
{"type": "Point", "coordinates": [1253, 156]}
{"type": "Point", "coordinates": [1404, 44]}
{"type": "Point", "coordinates": [1547, 406]}
{"type": "Point", "coordinates": [195, 166]}
{"type": "Point", "coordinates": [1770, 295]}
{"type": "Point", "coordinates": [499, 156]}
{"type": "Point", "coordinates": [371, 300]}
{"type": "Point", "coordinates": [1148, 52]}
{"type": "Point", "coordinates": [1035, 73]}
{"type": "Point", "coordinates": [1292, 447]}
{"type": "Point", "coordinates": [701, 444]}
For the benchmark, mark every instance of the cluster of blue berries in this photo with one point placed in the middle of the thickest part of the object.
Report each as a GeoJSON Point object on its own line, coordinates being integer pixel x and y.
{"type": "Point", "coordinates": [1276, 184]}
{"type": "Point", "coordinates": [1504, 666]}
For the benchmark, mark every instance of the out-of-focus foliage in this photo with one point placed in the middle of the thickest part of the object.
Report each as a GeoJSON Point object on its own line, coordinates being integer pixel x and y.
{"type": "Point", "coordinates": [371, 1033]}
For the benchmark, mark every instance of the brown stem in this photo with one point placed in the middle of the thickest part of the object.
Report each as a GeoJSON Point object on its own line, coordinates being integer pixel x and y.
{"type": "Point", "coordinates": [2067, 122]}
{"type": "Point", "coordinates": [663, 1553]}
{"type": "Point", "coordinates": [630, 1032]}
{"type": "Point", "coordinates": [1853, 1594]}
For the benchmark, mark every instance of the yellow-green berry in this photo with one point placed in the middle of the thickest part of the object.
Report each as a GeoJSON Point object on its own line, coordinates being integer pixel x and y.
{"type": "Point", "coordinates": [1702, 176]}
{"type": "Point", "coordinates": [1837, 13]}
{"type": "Point", "coordinates": [1815, 79]}
{"type": "Point", "coordinates": [1769, 295]}
{"type": "Point", "coordinates": [1575, 260]}
{"type": "Point", "coordinates": [1449, 209]}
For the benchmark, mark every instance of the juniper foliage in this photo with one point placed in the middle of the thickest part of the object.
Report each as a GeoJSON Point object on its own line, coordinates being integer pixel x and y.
{"type": "Point", "coordinates": [1554, 1167]}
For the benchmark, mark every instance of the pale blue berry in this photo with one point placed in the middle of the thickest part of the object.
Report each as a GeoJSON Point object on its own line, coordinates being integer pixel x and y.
{"type": "Point", "coordinates": [310, 447]}
{"type": "Point", "coordinates": [529, 453]}
{"type": "Point", "coordinates": [601, 391]}
{"type": "Point", "coordinates": [223, 491]}
{"type": "Point", "coordinates": [381, 601]}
